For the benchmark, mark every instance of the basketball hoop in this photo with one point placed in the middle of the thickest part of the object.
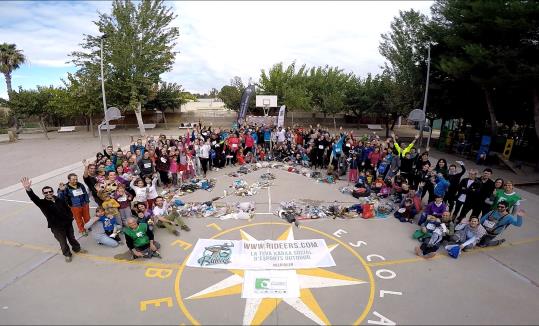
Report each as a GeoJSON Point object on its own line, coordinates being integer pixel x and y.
{"type": "Point", "coordinates": [266, 102]}
{"type": "Point", "coordinates": [416, 115]}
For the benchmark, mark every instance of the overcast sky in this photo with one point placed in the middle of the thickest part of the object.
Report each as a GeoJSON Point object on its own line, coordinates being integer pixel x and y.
{"type": "Point", "coordinates": [219, 40]}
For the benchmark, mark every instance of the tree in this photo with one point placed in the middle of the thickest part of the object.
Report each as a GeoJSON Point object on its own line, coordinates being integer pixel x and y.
{"type": "Point", "coordinates": [482, 41]}
{"type": "Point", "coordinates": [288, 84]}
{"type": "Point", "coordinates": [138, 48]}
{"type": "Point", "coordinates": [84, 90]}
{"type": "Point", "coordinates": [166, 96]}
{"type": "Point", "coordinates": [405, 49]}
{"type": "Point", "coordinates": [11, 59]}
{"type": "Point", "coordinates": [231, 94]}
{"type": "Point", "coordinates": [46, 103]}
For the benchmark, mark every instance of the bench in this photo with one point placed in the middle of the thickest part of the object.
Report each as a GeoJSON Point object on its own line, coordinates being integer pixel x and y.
{"type": "Point", "coordinates": [149, 125]}
{"type": "Point", "coordinates": [104, 127]}
{"type": "Point", "coordinates": [374, 127]}
{"type": "Point", "coordinates": [67, 129]}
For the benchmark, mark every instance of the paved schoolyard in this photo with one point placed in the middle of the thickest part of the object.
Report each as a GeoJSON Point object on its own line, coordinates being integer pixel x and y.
{"type": "Point", "coordinates": [377, 278]}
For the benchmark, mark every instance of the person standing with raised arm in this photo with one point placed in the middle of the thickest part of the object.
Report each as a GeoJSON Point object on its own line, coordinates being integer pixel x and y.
{"type": "Point", "coordinates": [59, 217]}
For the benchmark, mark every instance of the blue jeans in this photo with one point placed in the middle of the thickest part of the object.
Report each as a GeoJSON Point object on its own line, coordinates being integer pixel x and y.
{"type": "Point", "coordinates": [106, 240]}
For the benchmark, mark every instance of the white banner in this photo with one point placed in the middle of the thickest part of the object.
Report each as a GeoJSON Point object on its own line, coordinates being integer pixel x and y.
{"type": "Point", "coordinates": [270, 284]}
{"type": "Point", "coordinates": [280, 119]}
{"type": "Point", "coordinates": [268, 254]}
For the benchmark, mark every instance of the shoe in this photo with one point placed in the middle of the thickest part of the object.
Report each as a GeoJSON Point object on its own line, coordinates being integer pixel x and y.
{"type": "Point", "coordinates": [68, 259]}
{"type": "Point", "coordinates": [176, 233]}
{"type": "Point", "coordinates": [185, 228]}
{"type": "Point", "coordinates": [156, 254]}
{"type": "Point", "coordinates": [501, 241]}
{"type": "Point", "coordinates": [82, 251]}
{"type": "Point", "coordinates": [84, 233]}
{"type": "Point", "coordinates": [418, 251]}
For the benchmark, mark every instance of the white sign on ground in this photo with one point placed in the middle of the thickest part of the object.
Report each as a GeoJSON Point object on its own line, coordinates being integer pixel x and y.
{"type": "Point", "coordinates": [268, 254]}
{"type": "Point", "coordinates": [270, 284]}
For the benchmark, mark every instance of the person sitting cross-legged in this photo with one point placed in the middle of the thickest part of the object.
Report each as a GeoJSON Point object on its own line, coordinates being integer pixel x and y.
{"type": "Point", "coordinates": [140, 240]}
{"type": "Point", "coordinates": [167, 219]}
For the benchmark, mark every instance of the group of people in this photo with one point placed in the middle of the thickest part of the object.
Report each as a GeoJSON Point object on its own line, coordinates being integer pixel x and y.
{"type": "Point", "coordinates": [125, 184]}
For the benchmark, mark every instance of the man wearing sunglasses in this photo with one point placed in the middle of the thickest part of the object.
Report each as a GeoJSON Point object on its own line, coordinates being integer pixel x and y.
{"type": "Point", "coordinates": [496, 221]}
{"type": "Point", "coordinates": [59, 217]}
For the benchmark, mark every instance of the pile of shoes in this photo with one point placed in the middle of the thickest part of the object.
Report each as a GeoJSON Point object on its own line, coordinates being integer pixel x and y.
{"type": "Point", "coordinates": [267, 176]}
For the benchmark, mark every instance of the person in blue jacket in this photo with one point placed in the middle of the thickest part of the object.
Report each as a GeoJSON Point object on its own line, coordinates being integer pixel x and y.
{"type": "Point", "coordinates": [496, 221]}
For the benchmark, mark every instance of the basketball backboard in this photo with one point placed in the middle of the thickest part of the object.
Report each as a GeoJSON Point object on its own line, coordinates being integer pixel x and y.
{"type": "Point", "coordinates": [266, 101]}
{"type": "Point", "coordinates": [416, 115]}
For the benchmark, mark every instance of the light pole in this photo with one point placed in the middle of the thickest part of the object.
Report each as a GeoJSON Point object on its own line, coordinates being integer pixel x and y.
{"type": "Point", "coordinates": [104, 36]}
{"type": "Point", "coordinates": [422, 123]}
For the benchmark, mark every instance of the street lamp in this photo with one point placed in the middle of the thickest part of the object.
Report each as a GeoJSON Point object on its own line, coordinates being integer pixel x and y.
{"type": "Point", "coordinates": [422, 123]}
{"type": "Point", "coordinates": [104, 36]}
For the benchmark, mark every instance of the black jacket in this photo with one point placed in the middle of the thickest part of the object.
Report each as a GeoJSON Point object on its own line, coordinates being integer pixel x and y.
{"type": "Point", "coordinates": [487, 188]}
{"type": "Point", "coordinates": [454, 180]}
{"type": "Point", "coordinates": [471, 192]}
{"type": "Point", "coordinates": [58, 214]}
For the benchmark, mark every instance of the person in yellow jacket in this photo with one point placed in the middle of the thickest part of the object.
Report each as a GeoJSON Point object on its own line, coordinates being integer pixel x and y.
{"type": "Point", "coordinates": [400, 151]}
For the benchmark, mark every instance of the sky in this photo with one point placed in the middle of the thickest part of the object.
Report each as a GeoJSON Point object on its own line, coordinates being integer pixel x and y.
{"type": "Point", "coordinates": [218, 40]}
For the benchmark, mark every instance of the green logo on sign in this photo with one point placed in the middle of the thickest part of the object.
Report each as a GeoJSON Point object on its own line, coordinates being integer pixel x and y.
{"type": "Point", "coordinates": [262, 283]}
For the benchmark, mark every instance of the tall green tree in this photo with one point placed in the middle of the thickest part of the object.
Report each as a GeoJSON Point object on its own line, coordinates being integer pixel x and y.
{"type": "Point", "coordinates": [231, 94]}
{"type": "Point", "coordinates": [11, 59]}
{"type": "Point", "coordinates": [138, 49]}
{"type": "Point", "coordinates": [484, 42]}
{"type": "Point", "coordinates": [84, 95]}
{"type": "Point", "coordinates": [288, 84]}
{"type": "Point", "coordinates": [46, 103]}
{"type": "Point", "coordinates": [405, 49]}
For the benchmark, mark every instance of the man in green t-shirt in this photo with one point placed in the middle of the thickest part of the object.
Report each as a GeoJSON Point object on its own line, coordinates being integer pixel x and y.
{"type": "Point", "coordinates": [509, 196]}
{"type": "Point", "coordinates": [140, 240]}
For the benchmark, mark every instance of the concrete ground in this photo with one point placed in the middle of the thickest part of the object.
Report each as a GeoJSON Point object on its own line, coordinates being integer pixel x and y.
{"type": "Point", "coordinates": [377, 278]}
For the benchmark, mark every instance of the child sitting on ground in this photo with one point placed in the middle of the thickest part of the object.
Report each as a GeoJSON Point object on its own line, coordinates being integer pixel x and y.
{"type": "Point", "coordinates": [430, 245]}
{"type": "Point", "coordinates": [261, 153]}
{"type": "Point", "coordinates": [102, 227]}
{"type": "Point", "coordinates": [240, 158]}
{"type": "Point", "coordinates": [407, 211]}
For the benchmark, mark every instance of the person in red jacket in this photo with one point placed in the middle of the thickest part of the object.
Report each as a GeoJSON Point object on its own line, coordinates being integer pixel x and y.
{"type": "Point", "coordinates": [375, 157]}
{"type": "Point", "coordinates": [234, 145]}
{"type": "Point", "coordinates": [249, 142]}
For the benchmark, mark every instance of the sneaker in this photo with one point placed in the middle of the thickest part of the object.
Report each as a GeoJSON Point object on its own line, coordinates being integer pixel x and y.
{"type": "Point", "coordinates": [156, 254]}
{"type": "Point", "coordinates": [68, 259]}
{"type": "Point", "coordinates": [418, 251]}
{"type": "Point", "coordinates": [176, 233]}
{"type": "Point", "coordinates": [185, 228]}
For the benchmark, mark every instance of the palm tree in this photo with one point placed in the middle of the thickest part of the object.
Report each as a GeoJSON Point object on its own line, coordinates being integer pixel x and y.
{"type": "Point", "coordinates": [11, 58]}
